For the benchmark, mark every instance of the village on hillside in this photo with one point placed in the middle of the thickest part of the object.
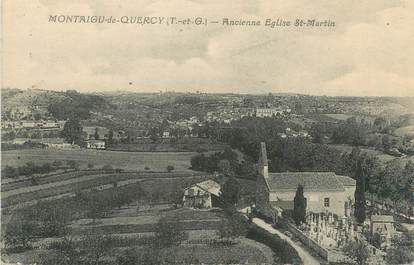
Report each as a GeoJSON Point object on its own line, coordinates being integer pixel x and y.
{"type": "Point", "coordinates": [194, 178]}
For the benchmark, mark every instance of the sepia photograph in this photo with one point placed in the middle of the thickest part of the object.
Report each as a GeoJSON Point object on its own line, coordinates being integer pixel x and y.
{"type": "Point", "coordinates": [190, 132]}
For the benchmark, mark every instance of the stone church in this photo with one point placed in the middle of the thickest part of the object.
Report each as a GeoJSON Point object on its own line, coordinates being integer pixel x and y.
{"type": "Point", "coordinates": [324, 191]}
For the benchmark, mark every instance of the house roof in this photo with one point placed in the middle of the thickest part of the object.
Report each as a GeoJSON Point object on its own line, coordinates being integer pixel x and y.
{"type": "Point", "coordinates": [210, 186]}
{"type": "Point", "coordinates": [311, 181]}
{"type": "Point", "coordinates": [382, 218]}
{"type": "Point", "coordinates": [347, 181]}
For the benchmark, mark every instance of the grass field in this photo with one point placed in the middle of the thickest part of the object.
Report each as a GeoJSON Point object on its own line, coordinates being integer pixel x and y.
{"type": "Point", "coordinates": [342, 117]}
{"type": "Point", "coordinates": [383, 157]}
{"type": "Point", "coordinates": [164, 182]}
{"type": "Point", "coordinates": [408, 130]}
{"type": "Point", "coordinates": [245, 251]}
{"type": "Point", "coordinates": [117, 159]}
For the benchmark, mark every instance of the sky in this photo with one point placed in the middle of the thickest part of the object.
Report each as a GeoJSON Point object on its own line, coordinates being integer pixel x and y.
{"type": "Point", "coordinates": [369, 52]}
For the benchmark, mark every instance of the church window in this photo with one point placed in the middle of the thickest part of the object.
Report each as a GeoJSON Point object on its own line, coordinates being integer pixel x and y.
{"type": "Point", "coordinates": [326, 202]}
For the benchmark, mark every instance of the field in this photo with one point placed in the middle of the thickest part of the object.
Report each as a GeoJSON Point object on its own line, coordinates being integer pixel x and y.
{"type": "Point", "coordinates": [383, 158]}
{"type": "Point", "coordinates": [153, 194]}
{"type": "Point", "coordinates": [135, 223]}
{"type": "Point", "coordinates": [117, 159]}
{"type": "Point", "coordinates": [103, 181]}
{"type": "Point", "coordinates": [342, 117]}
{"type": "Point", "coordinates": [168, 147]}
{"type": "Point", "coordinates": [408, 130]}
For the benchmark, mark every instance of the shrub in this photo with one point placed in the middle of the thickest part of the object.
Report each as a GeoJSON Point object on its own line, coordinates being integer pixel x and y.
{"type": "Point", "coordinates": [107, 167]}
{"type": "Point", "coordinates": [19, 234]}
{"type": "Point", "coordinates": [72, 164]}
{"type": "Point", "coordinates": [170, 168]}
{"type": "Point", "coordinates": [9, 172]}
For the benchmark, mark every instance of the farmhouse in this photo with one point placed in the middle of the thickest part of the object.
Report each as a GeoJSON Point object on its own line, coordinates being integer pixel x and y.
{"type": "Point", "coordinates": [95, 144]}
{"type": "Point", "coordinates": [205, 194]}
{"type": "Point", "coordinates": [324, 191]}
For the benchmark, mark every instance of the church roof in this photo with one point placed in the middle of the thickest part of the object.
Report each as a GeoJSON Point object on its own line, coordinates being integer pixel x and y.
{"type": "Point", "coordinates": [311, 181]}
{"type": "Point", "coordinates": [347, 181]}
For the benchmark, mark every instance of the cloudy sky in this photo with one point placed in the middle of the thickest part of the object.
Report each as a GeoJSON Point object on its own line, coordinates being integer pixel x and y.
{"type": "Point", "coordinates": [369, 52]}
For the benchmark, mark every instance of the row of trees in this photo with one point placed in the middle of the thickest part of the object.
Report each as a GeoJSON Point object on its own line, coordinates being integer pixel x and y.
{"type": "Point", "coordinates": [30, 168]}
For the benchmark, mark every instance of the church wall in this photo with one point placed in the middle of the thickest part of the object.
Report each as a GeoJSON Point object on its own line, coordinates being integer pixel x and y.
{"type": "Point", "coordinates": [262, 196]}
{"type": "Point", "coordinates": [315, 200]}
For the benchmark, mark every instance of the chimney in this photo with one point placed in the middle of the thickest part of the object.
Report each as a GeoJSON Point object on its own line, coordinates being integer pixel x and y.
{"type": "Point", "coordinates": [263, 165]}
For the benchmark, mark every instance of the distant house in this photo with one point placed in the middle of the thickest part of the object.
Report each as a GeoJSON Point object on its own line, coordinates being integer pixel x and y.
{"type": "Point", "coordinates": [95, 144]}
{"type": "Point", "coordinates": [57, 143]}
{"type": "Point", "coordinates": [20, 140]}
{"type": "Point", "coordinates": [270, 112]}
{"type": "Point", "coordinates": [384, 226]}
{"type": "Point", "coordinates": [205, 194]}
{"type": "Point", "coordinates": [166, 134]}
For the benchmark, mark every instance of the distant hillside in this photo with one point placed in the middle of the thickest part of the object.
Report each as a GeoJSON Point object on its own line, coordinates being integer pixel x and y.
{"type": "Point", "coordinates": [61, 105]}
{"type": "Point", "coordinates": [30, 97]}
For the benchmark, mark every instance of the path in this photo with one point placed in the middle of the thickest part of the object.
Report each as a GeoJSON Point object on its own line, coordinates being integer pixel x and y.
{"type": "Point", "coordinates": [303, 254]}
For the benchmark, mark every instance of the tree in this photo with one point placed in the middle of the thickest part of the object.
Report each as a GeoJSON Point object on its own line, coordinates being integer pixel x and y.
{"type": "Point", "coordinates": [73, 164]}
{"type": "Point", "coordinates": [299, 206]}
{"type": "Point", "coordinates": [96, 207]}
{"type": "Point", "coordinates": [65, 253]}
{"type": "Point", "coordinates": [90, 165]}
{"type": "Point", "coordinates": [360, 194]}
{"type": "Point", "coordinates": [230, 192]}
{"type": "Point", "coordinates": [225, 167]}
{"type": "Point", "coordinates": [107, 167]}
{"type": "Point", "coordinates": [234, 225]}
{"type": "Point", "coordinates": [358, 251]}
{"type": "Point", "coordinates": [72, 131]}
{"type": "Point", "coordinates": [170, 168]}
{"type": "Point", "coordinates": [20, 233]}
{"type": "Point", "coordinates": [52, 218]}
{"type": "Point", "coordinates": [9, 172]}
{"type": "Point", "coordinates": [401, 250]}
{"type": "Point", "coordinates": [169, 231]}
{"type": "Point", "coordinates": [95, 246]}
{"type": "Point", "coordinates": [110, 137]}
{"type": "Point", "coordinates": [96, 135]}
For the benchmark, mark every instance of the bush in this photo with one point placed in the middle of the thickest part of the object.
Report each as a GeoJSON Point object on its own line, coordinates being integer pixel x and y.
{"type": "Point", "coordinates": [90, 165]}
{"type": "Point", "coordinates": [9, 172]}
{"type": "Point", "coordinates": [107, 167]}
{"type": "Point", "coordinates": [19, 234]}
{"type": "Point", "coordinates": [169, 232]}
{"type": "Point", "coordinates": [72, 164]}
{"type": "Point", "coordinates": [170, 168]}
